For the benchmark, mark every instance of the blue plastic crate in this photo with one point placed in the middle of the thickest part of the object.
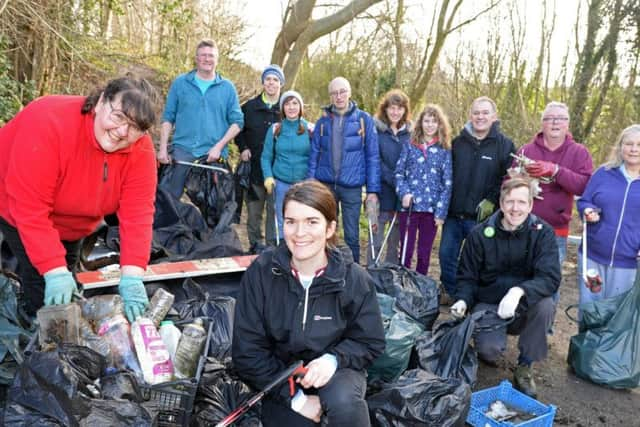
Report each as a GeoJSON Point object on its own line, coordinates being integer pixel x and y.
{"type": "Point", "coordinates": [480, 401]}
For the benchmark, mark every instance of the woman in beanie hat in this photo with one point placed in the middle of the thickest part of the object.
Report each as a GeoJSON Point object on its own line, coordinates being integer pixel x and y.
{"type": "Point", "coordinates": [286, 151]}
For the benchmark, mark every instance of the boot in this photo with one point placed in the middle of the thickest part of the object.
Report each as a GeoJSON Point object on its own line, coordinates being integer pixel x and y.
{"type": "Point", "coordinates": [523, 380]}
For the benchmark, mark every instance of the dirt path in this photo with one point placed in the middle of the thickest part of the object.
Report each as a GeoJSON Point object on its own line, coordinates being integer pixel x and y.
{"type": "Point", "coordinates": [579, 402]}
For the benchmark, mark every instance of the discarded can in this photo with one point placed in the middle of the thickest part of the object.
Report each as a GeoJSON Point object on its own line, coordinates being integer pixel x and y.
{"type": "Point", "coordinates": [594, 281]}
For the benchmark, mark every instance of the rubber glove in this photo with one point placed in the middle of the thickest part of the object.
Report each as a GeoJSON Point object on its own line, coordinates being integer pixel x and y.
{"type": "Point", "coordinates": [269, 185]}
{"type": "Point", "coordinates": [320, 371]}
{"type": "Point", "coordinates": [540, 168]}
{"type": "Point", "coordinates": [458, 309]}
{"type": "Point", "coordinates": [406, 200]}
{"type": "Point", "coordinates": [509, 302]}
{"type": "Point", "coordinates": [134, 296]}
{"type": "Point", "coordinates": [484, 209]}
{"type": "Point", "coordinates": [59, 288]}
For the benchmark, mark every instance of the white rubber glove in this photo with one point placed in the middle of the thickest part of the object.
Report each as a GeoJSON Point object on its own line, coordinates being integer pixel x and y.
{"type": "Point", "coordinates": [509, 302]}
{"type": "Point", "coordinates": [458, 309]}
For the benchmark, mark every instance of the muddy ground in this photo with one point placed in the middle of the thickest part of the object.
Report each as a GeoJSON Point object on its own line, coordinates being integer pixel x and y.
{"type": "Point", "coordinates": [579, 403]}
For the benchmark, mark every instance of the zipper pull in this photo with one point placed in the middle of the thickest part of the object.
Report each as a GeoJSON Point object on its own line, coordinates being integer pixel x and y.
{"type": "Point", "coordinates": [105, 171]}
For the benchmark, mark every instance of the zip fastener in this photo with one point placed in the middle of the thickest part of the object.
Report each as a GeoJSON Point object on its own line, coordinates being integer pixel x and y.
{"type": "Point", "coordinates": [105, 171]}
{"type": "Point", "coordinates": [306, 306]}
{"type": "Point", "coordinates": [615, 239]}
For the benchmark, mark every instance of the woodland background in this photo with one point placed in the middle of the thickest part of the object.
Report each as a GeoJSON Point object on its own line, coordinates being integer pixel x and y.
{"type": "Point", "coordinates": [70, 46]}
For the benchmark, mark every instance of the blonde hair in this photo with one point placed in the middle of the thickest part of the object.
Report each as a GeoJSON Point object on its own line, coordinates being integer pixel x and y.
{"type": "Point", "coordinates": [444, 128]}
{"type": "Point", "coordinates": [518, 182]}
{"type": "Point", "coordinates": [615, 158]}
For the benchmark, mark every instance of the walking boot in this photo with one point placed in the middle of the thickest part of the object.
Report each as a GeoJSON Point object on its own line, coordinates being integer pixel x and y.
{"type": "Point", "coordinates": [523, 380]}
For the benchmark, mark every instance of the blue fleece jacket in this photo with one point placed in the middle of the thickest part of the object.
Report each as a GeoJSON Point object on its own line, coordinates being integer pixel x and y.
{"type": "Point", "coordinates": [615, 239]}
{"type": "Point", "coordinates": [291, 152]}
{"type": "Point", "coordinates": [200, 121]}
{"type": "Point", "coordinates": [427, 176]}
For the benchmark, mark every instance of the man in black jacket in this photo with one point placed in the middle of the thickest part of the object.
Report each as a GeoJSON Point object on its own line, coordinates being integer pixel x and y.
{"type": "Point", "coordinates": [509, 264]}
{"type": "Point", "coordinates": [259, 114]}
{"type": "Point", "coordinates": [481, 156]}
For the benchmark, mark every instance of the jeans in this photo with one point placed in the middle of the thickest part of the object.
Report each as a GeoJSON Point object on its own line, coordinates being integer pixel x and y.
{"type": "Point", "coordinates": [422, 225]}
{"type": "Point", "coordinates": [31, 281]}
{"type": "Point", "coordinates": [393, 241]}
{"type": "Point", "coordinates": [454, 231]}
{"type": "Point", "coordinates": [280, 190]}
{"type": "Point", "coordinates": [350, 203]}
{"type": "Point", "coordinates": [255, 207]}
{"type": "Point", "coordinates": [342, 400]}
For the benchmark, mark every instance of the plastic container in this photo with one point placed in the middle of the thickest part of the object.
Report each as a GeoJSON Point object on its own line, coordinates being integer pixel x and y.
{"type": "Point", "coordinates": [189, 349]}
{"type": "Point", "coordinates": [175, 399]}
{"type": "Point", "coordinates": [159, 306]}
{"type": "Point", "coordinates": [480, 401]}
{"type": "Point", "coordinates": [59, 324]}
{"type": "Point", "coordinates": [170, 336]}
{"type": "Point", "coordinates": [115, 330]}
{"type": "Point", "coordinates": [153, 356]}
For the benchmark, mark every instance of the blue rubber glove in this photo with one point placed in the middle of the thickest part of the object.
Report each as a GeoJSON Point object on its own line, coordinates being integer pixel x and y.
{"type": "Point", "coordinates": [134, 296]}
{"type": "Point", "coordinates": [58, 288]}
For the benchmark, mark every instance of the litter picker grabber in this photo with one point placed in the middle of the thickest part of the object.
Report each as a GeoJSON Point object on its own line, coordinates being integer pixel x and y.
{"type": "Point", "coordinates": [275, 216]}
{"type": "Point", "coordinates": [296, 370]}
{"type": "Point", "coordinates": [200, 165]}
{"type": "Point", "coordinates": [592, 279]}
{"type": "Point", "coordinates": [372, 209]}
{"type": "Point", "coordinates": [386, 237]}
{"type": "Point", "coordinates": [406, 233]}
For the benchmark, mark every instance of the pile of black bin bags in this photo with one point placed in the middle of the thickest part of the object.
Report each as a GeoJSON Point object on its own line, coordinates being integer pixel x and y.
{"type": "Point", "coordinates": [423, 378]}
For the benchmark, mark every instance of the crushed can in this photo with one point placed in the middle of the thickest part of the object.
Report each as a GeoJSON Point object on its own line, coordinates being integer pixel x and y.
{"type": "Point", "coordinates": [594, 281]}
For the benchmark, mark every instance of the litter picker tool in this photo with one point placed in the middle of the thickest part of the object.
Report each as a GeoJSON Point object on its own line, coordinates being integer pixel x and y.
{"type": "Point", "coordinates": [386, 237]}
{"type": "Point", "coordinates": [373, 211]}
{"type": "Point", "coordinates": [406, 233]}
{"type": "Point", "coordinates": [592, 279]}
{"type": "Point", "coordinates": [296, 370]}
{"type": "Point", "coordinates": [275, 217]}
{"type": "Point", "coordinates": [200, 165]}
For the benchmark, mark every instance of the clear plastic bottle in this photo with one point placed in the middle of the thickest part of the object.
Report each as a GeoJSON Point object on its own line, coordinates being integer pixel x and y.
{"type": "Point", "coordinates": [115, 331]}
{"type": "Point", "coordinates": [189, 349]}
{"type": "Point", "coordinates": [159, 306]}
{"type": "Point", "coordinates": [170, 336]}
{"type": "Point", "coordinates": [152, 353]}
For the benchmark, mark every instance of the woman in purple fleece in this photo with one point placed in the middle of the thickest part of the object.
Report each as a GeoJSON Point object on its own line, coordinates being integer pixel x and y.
{"type": "Point", "coordinates": [611, 206]}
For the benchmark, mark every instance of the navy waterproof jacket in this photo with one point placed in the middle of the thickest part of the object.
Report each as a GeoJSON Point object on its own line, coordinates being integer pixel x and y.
{"type": "Point", "coordinates": [360, 154]}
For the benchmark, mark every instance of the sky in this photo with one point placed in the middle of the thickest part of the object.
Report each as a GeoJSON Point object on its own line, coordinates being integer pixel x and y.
{"type": "Point", "coordinates": [264, 18]}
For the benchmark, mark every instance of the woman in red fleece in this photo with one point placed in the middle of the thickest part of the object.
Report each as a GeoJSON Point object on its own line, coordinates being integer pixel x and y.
{"type": "Point", "coordinates": [65, 163]}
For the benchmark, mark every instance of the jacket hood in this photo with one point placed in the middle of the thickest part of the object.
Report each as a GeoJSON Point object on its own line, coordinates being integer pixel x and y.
{"type": "Point", "coordinates": [539, 140]}
{"type": "Point", "coordinates": [382, 127]}
{"type": "Point", "coordinates": [467, 131]}
{"type": "Point", "coordinates": [330, 109]}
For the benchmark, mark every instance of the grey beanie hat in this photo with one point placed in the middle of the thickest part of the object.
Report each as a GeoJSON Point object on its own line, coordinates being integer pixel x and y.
{"type": "Point", "coordinates": [290, 94]}
{"type": "Point", "coordinates": [273, 69]}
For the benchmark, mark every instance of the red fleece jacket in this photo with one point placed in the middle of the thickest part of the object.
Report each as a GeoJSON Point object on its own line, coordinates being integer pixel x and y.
{"type": "Point", "coordinates": [56, 183]}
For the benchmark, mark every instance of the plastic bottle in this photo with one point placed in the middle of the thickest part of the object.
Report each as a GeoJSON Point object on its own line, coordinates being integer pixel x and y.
{"type": "Point", "coordinates": [159, 306]}
{"type": "Point", "coordinates": [170, 336]}
{"type": "Point", "coordinates": [152, 353]}
{"type": "Point", "coordinates": [115, 331]}
{"type": "Point", "coordinates": [189, 349]}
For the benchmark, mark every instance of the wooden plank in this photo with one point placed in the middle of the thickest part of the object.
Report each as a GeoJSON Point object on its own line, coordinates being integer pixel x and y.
{"type": "Point", "coordinates": [169, 270]}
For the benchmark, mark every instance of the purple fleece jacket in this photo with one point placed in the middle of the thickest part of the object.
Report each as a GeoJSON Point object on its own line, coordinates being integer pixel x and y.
{"type": "Point", "coordinates": [615, 239]}
{"type": "Point", "coordinates": [575, 168]}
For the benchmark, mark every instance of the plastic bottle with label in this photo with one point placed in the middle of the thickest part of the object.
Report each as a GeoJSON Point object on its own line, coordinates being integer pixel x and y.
{"type": "Point", "coordinates": [152, 353]}
{"type": "Point", "coordinates": [115, 331]}
{"type": "Point", "coordinates": [189, 349]}
{"type": "Point", "coordinates": [170, 336]}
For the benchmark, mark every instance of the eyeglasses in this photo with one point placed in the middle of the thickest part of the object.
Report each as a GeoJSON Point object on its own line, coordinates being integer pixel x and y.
{"type": "Point", "coordinates": [555, 119]}
{"type": "Point", "coordinates": [206, 55]}
{"type": "Point", "coordinates": [337, 93]}
{"type": "Point", "coordinates": [119, 118]}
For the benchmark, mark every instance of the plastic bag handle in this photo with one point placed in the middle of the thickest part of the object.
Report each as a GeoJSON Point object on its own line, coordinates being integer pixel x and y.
{"type": "Point", "coordinates": [566, 312]}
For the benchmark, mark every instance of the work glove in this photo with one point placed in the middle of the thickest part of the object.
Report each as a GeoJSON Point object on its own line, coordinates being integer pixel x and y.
{"type": "Point", "coordinates": [484, 209]}
{"type": "Point", "coordinates": [269, 185]}
{"type": "Point", "coordinates": [58, 288]}
{"type": "Point", "coordinates": [509, 302]}
{"type": "Point", "coordinates": [406, 200]}
{"type": "Point", "coordinates": [372, 208]}
{"type": "Point", "coordinates": [458, 309]}
{"type": "Point", "coordinates": [134, 296]}
{"type": "Point", "coordinates": [319, 371]}
{"type": "Point", "coordinates": [542, 169]}
{"type": "Point", "coordinates": [592, 215]}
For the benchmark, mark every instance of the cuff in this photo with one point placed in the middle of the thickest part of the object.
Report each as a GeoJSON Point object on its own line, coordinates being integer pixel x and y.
{"type": "Point", "coordinates": [330, 358]}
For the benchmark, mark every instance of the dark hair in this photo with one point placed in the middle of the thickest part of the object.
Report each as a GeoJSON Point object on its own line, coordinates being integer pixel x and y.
{"type": "Point", "coordinates": [444, 128]}
{"type": "Point", "coordinates": [316, 195]}
{"type": "Point", "coordinates": [394, 97]}
{"type": "Point", "coordinates": [137, 98]}
{"type": "Point", "coordinates": [283, 116]}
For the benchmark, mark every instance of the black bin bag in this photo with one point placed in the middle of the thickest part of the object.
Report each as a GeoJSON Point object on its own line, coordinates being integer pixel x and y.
{"type": "Point", "coordinates": [415, 294]}
{"type": "Point", "coordinates": [419, 398]}
{"type": "Point", "coordinates": [609, 353]}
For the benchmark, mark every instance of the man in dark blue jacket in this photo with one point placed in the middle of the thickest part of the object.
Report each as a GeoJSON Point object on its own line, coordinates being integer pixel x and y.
{"type": "Point", "coordinates": [509, 264]}
{"type": "Point", "coordinates": [345, 156]}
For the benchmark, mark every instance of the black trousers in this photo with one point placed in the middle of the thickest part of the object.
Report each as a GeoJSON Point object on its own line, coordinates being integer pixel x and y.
{"type": "Point", "coordinates": [342, 400]}
{"type": "Point", "coordinates": [31, 281]}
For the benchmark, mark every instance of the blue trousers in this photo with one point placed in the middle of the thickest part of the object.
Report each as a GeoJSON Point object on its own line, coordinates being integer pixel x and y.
{"type": "Point", "coordinates": [350, 203]}
{"type": "Point", "coordinates": [454, 232]}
